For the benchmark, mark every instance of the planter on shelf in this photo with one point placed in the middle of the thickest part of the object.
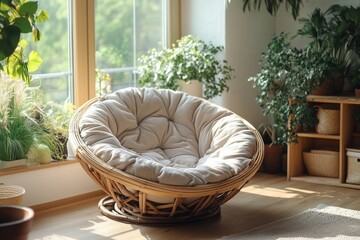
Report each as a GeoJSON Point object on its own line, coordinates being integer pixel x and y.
{"type": "Point", "coordinates": [329, 87]}
{"type": "Point", "coordinates": [357, 92]}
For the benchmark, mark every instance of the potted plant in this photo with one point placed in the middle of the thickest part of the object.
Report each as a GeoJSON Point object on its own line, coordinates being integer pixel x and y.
{"type": "Point", "coordinates": [287, 76]}
{"type": "Point", "coordinates": [21, 136]}
{"type": "Point", "coordinates": [190, 59]}
{"type": "Point", "coordinates": [273, 151]}
{"type": "Point", "coordinates": [335, 34]}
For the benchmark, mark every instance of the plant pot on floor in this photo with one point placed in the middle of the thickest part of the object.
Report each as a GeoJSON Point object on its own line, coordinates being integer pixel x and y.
{"type": "Point", "coordinates": [15, 222]}
{"type": "Point", "coordinates": [273, 158]}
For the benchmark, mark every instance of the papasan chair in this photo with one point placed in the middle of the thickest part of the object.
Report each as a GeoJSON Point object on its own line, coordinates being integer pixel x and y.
{"type": "Point", "coordinates": [163, 156]}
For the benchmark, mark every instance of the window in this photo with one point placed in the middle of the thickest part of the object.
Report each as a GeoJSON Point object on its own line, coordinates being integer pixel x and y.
{"type": "Point", "coordinates": [112, 33]}
{"type": "Point", "coordinates": [128, 29]}
{"type": "Point", "coordinates": [55, 77]}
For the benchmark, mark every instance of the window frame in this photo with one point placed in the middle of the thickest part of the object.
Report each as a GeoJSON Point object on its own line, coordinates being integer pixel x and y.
{"type": "Point", "coordinates": [84, 44]}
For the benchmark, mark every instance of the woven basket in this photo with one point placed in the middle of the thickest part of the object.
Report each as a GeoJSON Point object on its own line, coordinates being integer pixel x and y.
{"type": "Point", "coordinates": [329, 121]}
{"type": "Point", "coordinates": [11, 195]}
{"type": "Point", "coordinates": [131, 199]}
{"type": "Point", "coordinates": [323, 163]}
{"type": "Point", "coordinates": [353, 167]}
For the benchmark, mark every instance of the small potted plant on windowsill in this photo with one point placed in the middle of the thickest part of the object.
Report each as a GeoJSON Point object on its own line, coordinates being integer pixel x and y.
{"type": "Point", "coordinates": [191, 59]}
{"type": "Point", "coordinates": [21, 136]}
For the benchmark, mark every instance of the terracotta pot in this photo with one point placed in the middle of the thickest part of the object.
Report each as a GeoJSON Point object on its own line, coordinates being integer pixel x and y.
{"type": "Point", "coordinates": [357, 92]}
{"type": "Point", "coordinates": [330, 87]}
{"type": "Point", "coordinates": [15, 222]}
{"type": "Point", "coordinates": [273, 158]}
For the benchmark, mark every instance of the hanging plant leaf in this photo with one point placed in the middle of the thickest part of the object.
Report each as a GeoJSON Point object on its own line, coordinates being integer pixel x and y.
{"type": "Point", "coordinates": [34, 61]}
{"type": "Point", "coordinates": [28, 8]}
{"type": "Point", "coordinates": [10, 36]}
{"type": "Point", "coordinates": [42, 16]}
{"type": "Point", "coordinates": [23, 24]}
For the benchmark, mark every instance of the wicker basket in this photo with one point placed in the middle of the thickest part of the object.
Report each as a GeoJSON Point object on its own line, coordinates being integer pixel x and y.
{"type": "Point", "coordinates": [11, 195]}
{"type": "Point", "coordinates": [353, 166]}
{"type": "Point", "coordinates": [323, 163]}
{"type": "Point", "coordinates": [329, 120]}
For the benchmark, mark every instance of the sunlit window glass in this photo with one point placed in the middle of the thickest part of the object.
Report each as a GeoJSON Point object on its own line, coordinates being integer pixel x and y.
{"type": "Point", "coordinates": [123, 32]}
{"type": "Point", "coordinates": [54, 77]}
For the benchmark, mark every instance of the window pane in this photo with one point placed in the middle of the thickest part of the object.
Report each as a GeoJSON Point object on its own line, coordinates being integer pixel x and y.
{"type": "Point", "coordinates": [122, 34]}
{"type": "Point", "coordinates": [55, 74]}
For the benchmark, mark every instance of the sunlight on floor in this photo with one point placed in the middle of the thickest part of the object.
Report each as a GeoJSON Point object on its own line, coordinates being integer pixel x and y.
{"type": "Point", "coordinates": [106, 227]}
{"type": "Point", "coordinates": [275, 192]}
{"type": "Point", "coordinates": [55, 237]}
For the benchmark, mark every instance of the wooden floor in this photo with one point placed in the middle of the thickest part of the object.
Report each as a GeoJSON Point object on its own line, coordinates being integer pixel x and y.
{"type": "Point", "coordinates": [266, 198]}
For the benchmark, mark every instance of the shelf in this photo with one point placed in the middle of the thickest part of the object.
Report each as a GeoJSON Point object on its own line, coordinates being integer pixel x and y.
{"type": "Point", "coordinates": [312, 140]}
{"type": "Point", "coordinates": [334, 99]}
{"type": "Point", "coordinates": [317, 135]}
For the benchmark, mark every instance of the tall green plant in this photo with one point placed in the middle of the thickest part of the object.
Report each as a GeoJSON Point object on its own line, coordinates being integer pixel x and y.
{"type": "Point", "coordinates": [19, 17]}
{"type": "Point", "coordinates": [190, 59]}
{"type": "Point", "coordinates": [287, 76]}
{"type": "Point", "coordinates": [335, 33]}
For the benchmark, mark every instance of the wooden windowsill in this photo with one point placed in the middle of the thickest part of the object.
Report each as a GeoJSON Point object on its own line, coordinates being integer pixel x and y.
{"type": "Point", "coordinates": [21, 169]}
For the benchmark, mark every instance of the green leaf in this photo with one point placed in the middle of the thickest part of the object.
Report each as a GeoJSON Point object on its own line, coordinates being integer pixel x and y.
{"type": "Point", "coordinates": [5, 6]}
{"type": "Point", "coordinates": [28, 8]}
{"type": "Point", "coordinates": [36, 35]}
{"type": "Point", "coordinates": [9, 40]}
{"type": "Point", "coordinates": [43, 16]}
{"type": "Point", "coordinates": [23, 24]}
{"type": "Point", "coordinates": [34, 61]}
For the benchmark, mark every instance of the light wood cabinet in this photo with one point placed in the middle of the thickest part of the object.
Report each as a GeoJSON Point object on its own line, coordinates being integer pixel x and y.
{"type": "Point", "coordinates": [296, 170]}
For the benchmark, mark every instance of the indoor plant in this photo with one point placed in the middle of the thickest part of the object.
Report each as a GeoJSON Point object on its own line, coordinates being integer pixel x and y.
{"type": "Point", "coordinates": [287, 76]}
{"type": "Point", "coordinates": [20, 134]}
{"type": "Point", "coordinates": [17, 18]}
{"type": "Point", "coordinates": [335, 34]}
{"type": "Point", "coordinates": [273, 5]}
{"type": "Point", "coordinates": [190, 59]}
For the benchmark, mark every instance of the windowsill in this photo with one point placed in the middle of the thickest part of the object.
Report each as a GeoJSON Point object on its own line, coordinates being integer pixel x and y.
{"type": "Point", "coordinates": [21, 169]}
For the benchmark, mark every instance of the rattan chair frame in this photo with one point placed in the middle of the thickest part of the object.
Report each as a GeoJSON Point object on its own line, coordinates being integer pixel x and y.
{"type": "Point", "coordinates": [190, 203]}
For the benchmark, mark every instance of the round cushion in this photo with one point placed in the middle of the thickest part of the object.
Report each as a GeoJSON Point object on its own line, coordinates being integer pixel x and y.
{"type": "Point", "coordinates": [167, 137]}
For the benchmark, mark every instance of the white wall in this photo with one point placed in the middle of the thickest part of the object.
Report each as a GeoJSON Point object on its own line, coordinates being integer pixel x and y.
{"type": "Point", "coordinates": [243, 35]}
{"type": "Point", "coordinates": [246, 37]}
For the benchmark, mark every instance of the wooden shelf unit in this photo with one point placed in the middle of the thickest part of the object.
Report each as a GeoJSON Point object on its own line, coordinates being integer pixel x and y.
{"type": "Point", "coordinates": [296, 170]}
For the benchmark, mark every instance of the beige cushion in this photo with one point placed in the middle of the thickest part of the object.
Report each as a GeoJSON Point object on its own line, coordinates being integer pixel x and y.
{"type": "Point", "coordinates": [167, 137]}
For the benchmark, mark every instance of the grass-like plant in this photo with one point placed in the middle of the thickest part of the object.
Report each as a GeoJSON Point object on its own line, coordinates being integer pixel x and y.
{"type": "Point", "coordinates": [19, 131]}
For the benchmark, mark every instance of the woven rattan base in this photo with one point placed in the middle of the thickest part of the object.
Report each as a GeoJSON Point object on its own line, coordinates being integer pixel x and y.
{"type": "Point", "coordinates": [109, 209]}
